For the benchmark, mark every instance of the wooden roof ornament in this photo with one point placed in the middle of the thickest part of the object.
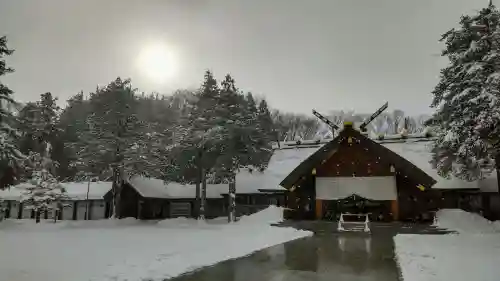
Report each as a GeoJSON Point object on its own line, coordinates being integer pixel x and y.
{"type": "Point", "coordinates": [362, 127]}
{"type": "Point", "coordinates": [327, 121]}
{"type": "Point", "coordinates": [367, 121]}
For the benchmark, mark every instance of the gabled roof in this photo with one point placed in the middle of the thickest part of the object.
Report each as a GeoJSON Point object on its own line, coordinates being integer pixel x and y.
{"type": "Point", "coordinates": [402, 164]}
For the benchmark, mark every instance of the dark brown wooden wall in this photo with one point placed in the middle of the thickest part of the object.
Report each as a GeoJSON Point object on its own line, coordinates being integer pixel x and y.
{"type": "Point", "coordinates": [354, 159]}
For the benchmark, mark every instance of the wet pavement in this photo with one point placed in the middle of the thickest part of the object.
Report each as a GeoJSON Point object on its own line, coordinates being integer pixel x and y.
{"type": "Point", "coordinates": [328, 255]}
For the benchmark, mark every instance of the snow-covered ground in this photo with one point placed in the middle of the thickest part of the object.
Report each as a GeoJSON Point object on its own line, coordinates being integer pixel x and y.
{"type": "Point", "coordinates": [473, 253]}
{"type": "Point", "coordinates": [129, 249]}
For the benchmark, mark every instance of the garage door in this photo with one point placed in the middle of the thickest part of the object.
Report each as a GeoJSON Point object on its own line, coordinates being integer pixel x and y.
{"type": "Point", "coordinates": [26, 213]}
{"type": "Point", "coordinates": [81, 208]}
{"type": "Point", "coordinates": [98, 209]}
{"type": "Point", "coordinates": [374, 188]}
{"type": "Point", "coordinates": [14, 210]}
{"type": "Point", "coordinates": [180, 209]}
{"type": "Point", "coordinates": [67, 210]}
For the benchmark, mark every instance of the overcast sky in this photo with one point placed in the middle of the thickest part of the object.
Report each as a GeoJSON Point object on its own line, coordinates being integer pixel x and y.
{"type": "Point", "coordinates": [327, 55]}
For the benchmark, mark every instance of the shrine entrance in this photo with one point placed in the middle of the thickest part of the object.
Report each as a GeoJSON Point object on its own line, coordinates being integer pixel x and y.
{"type": "Point", "coordinates": [377, 210]}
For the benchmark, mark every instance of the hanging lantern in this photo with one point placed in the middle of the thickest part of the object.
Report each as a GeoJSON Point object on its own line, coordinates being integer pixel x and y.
{"type": "Point", "coordinates": [293, 188]}
{"type": "Point", "coordinates": [392, 169]}
{"type": "Point", "coordinates": [421, 187]}
{"type": "Point", "coordinates": [313, 172]}
{"type": "Point", "coordinates": [349, 140]}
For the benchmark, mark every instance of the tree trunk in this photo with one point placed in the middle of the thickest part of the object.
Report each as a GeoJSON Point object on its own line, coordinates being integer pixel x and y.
{"type": "Point", "coordinates": [113, 200]}
{"type": "Point", "coordinates": [37, 216]}
{"type": "Point", "coordinates": [197, 200]}
{"type": "Point", "coordinates": [117, 191]}
{"type": "Point", "coordinates": [87, 201]}
{"type": "Point", "coordinates": [118, 210]}
{"type": "Point", "coordinates": [55, 210]}
{"type": "Point", "coordinates": [198, 182]}
{"type": "Point", "coordinates": [203, 201]}
{"type": "Point", "coordinates": [497, 168]}
{"type": "Point", "coordinates": [232, 200]}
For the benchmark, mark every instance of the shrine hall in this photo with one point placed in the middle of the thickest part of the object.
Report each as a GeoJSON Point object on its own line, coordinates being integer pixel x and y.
{"type": "Point", "coordinates": [353, 173]}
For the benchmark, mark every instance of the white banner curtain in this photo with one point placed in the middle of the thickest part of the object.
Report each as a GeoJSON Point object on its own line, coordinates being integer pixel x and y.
{"type": "Point", "coordinates": [373, 188]}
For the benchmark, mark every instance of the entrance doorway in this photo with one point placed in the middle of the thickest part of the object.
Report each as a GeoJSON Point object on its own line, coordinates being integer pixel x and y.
{"type": "Point", "coordinates": [377, 210]}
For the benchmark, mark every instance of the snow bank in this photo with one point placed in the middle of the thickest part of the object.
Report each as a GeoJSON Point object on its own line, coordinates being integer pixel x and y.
{"type": "Point", "coordinates": [269, 215]}
{"type": "Point", "coordinates": [448, 257]}
{"type": "Point", "coordinates": [131, 249]}
{"type": "Point", "coordinates": [465, 222]}
{"type": "Point", "coordinates": [470, 254]}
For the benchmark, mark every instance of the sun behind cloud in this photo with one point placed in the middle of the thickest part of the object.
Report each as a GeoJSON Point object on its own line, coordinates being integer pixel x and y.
{"type": "Point", "coordinates": [158, 62]}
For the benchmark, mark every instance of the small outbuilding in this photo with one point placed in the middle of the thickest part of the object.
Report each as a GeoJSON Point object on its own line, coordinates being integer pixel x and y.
{"type": "Point", "coordinates": [149, 198]}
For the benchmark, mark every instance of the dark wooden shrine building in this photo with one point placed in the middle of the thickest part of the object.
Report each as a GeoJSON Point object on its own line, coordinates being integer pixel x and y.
{"type": "Point", "coordinates": [355, 174]}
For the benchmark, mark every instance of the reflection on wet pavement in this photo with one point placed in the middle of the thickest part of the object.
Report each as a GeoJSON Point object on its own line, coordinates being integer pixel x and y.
{"type": "Point", "coordinates": [332, 256]}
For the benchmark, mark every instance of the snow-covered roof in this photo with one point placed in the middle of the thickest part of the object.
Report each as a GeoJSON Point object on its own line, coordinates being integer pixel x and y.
{"type": "Point", "coordinates": [155, 188]}
{"type": "Point", "coordinates": [75, 190]}
{"type": "Point", "coordinates": [416, 149]}
{"type": "Point", "coordinates": [282, 162]}
{"type": "Point", "coordinates": [418, 152]}
{"type": "Point", "coordinates": [78, 190]}
{"type": "Point", "coordinates": [13, 192]}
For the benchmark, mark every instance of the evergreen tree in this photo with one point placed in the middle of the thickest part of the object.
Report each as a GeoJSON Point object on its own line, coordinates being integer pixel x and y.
{"type": "Point", "coordinates": [38, 122]}
{"type": "Point", "coordinates": [267, 133]}
{"type": "Point", "coordinates": [114, 139]}
{"type": "Point", "coordinates": [45, 191]}
{"type": "Point", "coordinates": [10, 157]}
{"type": "Point", "coordinates": [72, 122]}
{"type": "Point", "coordinates": [467, 98]}
{"type": "Point", "coordinates": [199, 139]}
{"type": "Point", "coordinates": [244, 138]}
{"type": "Point", "coordinates": [26, 117]}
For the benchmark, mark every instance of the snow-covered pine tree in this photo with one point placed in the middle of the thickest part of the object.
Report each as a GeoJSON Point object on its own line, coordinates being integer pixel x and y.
{"type": "Point", "coordinates": [243, 139]}
{"type": "Point", "coordinates": [10, 157]}
{"type": "Point", "coordinates": [38, 123]}
{"type": "Point", "coordinates": [267, 134]}
{"type": "Point", "coordinates": [231, 117]}
{"type": "Point", "coordinates": [197, 138]}
{"type": "Point", "coordinates": [72, 120]}
{"type": "Point", "coordinates": [114, 138]}
{"type": "Point", "coordinates": [45, 192]}
{"type": "Point", "coordinates": [466, 99]}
